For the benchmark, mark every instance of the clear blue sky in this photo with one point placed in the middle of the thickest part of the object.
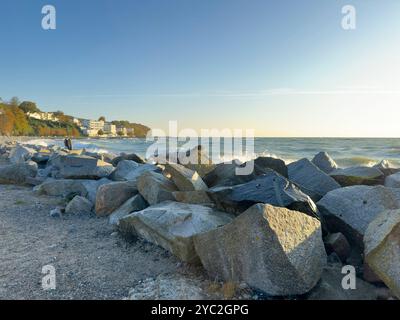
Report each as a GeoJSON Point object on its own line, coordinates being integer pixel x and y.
{"type": "Point", "coordinates": [284, 68]}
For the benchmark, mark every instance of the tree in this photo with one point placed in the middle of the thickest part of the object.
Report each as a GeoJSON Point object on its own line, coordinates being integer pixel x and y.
{"type": "Point", "coordinates": [100, 132]}
{"type": "Point", "coordinates": [102, 118]}
{"type": "Point", "coordinates": [28, 106]}
{"type": "Point", "coordinates": [120, 133]}
{"type": "Point", "coordinates": [14, 102]}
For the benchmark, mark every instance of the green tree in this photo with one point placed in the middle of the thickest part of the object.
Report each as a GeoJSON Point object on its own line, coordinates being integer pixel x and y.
{"type": "Point", "coordinates": [100, 132]}
{"type": "Point", "coordinates": [102, 118]}
{"type": "Point", "coordinates": [29, 106]}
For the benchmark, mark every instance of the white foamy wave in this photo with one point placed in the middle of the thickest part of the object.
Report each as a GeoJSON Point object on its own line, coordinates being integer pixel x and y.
{"type": "Point", "coordinates": [41, 142]}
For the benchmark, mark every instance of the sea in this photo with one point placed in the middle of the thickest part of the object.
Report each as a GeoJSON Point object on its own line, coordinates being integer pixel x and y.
{"type": "Point", "coordinates": [346, 152]}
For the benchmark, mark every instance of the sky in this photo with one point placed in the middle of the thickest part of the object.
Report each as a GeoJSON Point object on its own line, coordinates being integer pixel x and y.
{"type": "Point", "coordinates": [282, 68]}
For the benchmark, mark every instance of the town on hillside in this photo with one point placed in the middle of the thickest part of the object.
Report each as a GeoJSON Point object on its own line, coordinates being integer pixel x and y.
{"type": "Point", "coordinates": [27, 119]}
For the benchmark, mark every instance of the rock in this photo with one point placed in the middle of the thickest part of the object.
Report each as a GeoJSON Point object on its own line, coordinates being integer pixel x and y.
{"type": "Point", "coordinates": [225, 174]}
{"type": "Point", "coordinates": [275, 250]}
{"type": "Point", "coordinates": [311, 180]}
{"type": "Point", "coordinates": [369, 275]}
{"type": "Point", "coordinates": [386, 167]}
{"type": "Point", "coordinates": [20, 154]}
{"type": "Point", "coordinates": [330, 287]}
{"type": "Point", "coordinates": [92, 186]}
{"type": "Point", "coordinates": [184, 178]}
{"type": "Point", "coordinates": [271, 188]}
{"type": "Point", "coordinates": [382, 248]}
{"type": "Point", "coordinates": [193, 197]}
{"type": "Point", "coordinates": [113, 195]}
{"type": "Point", "coordinates": [81, 167]}
{"type": "Point", "coordinates": [56, 213]}
{"type": "Point", "coordinates": [155, 188]}
{"type": "Point", "coordinates": [34, 181]}
{"type": "Point", "coordinates": [79, 205]}
{"type": "Point", "coordinates": [324, 162]}
{"type": "Point", "coordinates": [18, 173]}
{"type": "Point", "coordinates": [41, 157]}
{"type": "Point", "coordinates": [337, 243]}
{"type": "Point", "coordinates": [63, 188]}
{"type": "Point", "coordinates": [172, 226]}
{"type": "Point", "coordinates": [132, 157]}
{"type": "Point", "coordinates": [277, 165]}
{"type": "Point", "coordinates": [128, 170]}
{"type": "Point", "coordinates": [393, 181]}
{"type": "Point", "coordinates": [358, 176]}
{"type": "Point", "coordinates": [350, 210]}
{"type": "Point", "coordinates": [197, 159]}
{"type": "Point", "coordinates": [136, 203]}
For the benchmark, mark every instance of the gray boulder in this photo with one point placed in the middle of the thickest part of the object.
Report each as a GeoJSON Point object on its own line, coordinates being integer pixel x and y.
{"type": "Point", "coordinates": [91, 187]}
{"type": "Point", "coordinates": [18, 173]}
{"type": "Point", "coordinates": [271, 188]}
{"type": "Point", "coordinates": [386, 167]}
{"type": "Point", "coordinates": [337, 243]}
{"type": "Point", "coordinates": [132, 157]}
{"type": "Point", "coordinates": [350, 210]}
{"type": "Point", "coordinates": [81, 167]}
{"type": "Point", "coordinates": [184, 178]}
{"type": "Point", "coordinates": [79, 205]}
{"type": "Point", "coordinates": [172, 225]}
{"type": "Point", "coordinates": [382, 248]}
{"type": "Point", "coordinates": [128, 170]}
{"type": "Point", "coordinates": [193, 197]}
{"type": "Point", "coordinates": [21, 154]}
{"type": "Point", "coordinates": [272, 249]}
{"type": "Point", "coordinates": [113, 195]}
{"type": "Point", "coordinates": [225, 174]}
{"type": "Point", "coordinates": [136, 203]}
{"type": "Point", "coordinates": [393, 181]}
{"type": "Point", "coordinates": [278, 165]}
{"type": "Point", "coordinates": [358, 176]}
{"type": "Point", "coordinates": [155, 188]}
{"type": "Point", "coordinates": [311, 180]}
{"type": "Point", "coordinates": [324, 162]}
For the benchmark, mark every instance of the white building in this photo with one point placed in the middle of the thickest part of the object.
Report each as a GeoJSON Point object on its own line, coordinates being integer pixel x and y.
{"type": "Point", "coordinates": [49, 116]}
{"type": "Point", "coordinates": [110, 129]}
{"type": "Point", "coordinates": [93, 124]}
{"type": "Point", "coordinates": [122, 131]}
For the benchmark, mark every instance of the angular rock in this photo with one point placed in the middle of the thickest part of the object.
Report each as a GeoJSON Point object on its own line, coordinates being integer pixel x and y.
{"type": "Point", "coordinates": [393, 181]}
{"type": "Point", "coordinates": [350, 210]}
{"type": "Point", "coordinates": [193, 197]}
{"type": "Point", "coordinates": [271, 188]}
{"type": "Point", "coordinates": [136, 203]}
{"type": "Point", "coordinates": [382, 248]}
{"type": "Point", "coordinates": [18, 173]}
{"type": "Point", "coordinates": [358, 176]}
{"type": "Point", "coordinates": [330, 287]}
{"type": "Point", "coordinates": [184, 178]}
{"type": "Point", "coordinates": [311, 180]}
{"type": "Point", "coordinates": [386, 167]}
{"type": "Point", "coordinates": [337, 242]}
{"type": "Point", "coordinates": [324, 162]}
{"type": "Point", "coordinates": [172, 225]}
{"type": "Point", "coordinates": [278, 165]}
{"type": "Point", "coordinates": [64, 188]}
{"type": "Point", "coordinates": [81, 167]}
{"type": "Point", "coordinates": [113, 195]}
{"type": "Point", "coordinates": [91, 187]}
{"type": "Point", "coordinates": [197, 159]}
{"type": "Point", "coordinates": [272, 249]}
{"type": "Point", "coordinates": [20, 154]}
{"type": "Point", "coordinates": [132, 157]}
{"type": "Point", "coordinates": [225, 174]}
{"type": "Point", "coordinates": [79, 205]}
{"type": "Point", "coordinates": [155, 188]}
{"type": "Point", "coordinates": [128, 170]}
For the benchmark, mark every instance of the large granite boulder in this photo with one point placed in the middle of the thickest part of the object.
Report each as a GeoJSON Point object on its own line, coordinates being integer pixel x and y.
{"type": "Point", "coordinates": [382, 248]}
{"type": "Point", "coordinates": [226, 174]}
{"type": "Point", "coordinates": [79, 205]}
{"type": "Point", "coordinates": [81, 167]}
{"type": "Point", "coordinates": [386, 167]}
{"type": "Point", "coordinates": [196, 159]}
{"type": "Point", "coordinates": [20, 154]}
{"type": "Point", "coordinates": [358, 176]}
{"type": "Point", "coordinates": [172, 225]}
{"type": "Point", "coordinates": [136, 203]}
{"type": "Point", "coordinates": [393, 181]}
{"type": "Point", "coordinates": [272, 249]}
{"type": "Point", "coordinates": [113, 195]}
{"type": "Point", "coordinates": [128, 170]}
{"type": "Point", "coordinates": [324, 162]}
{"type": "Point", "coordinates": [184, 178]}
{"type": "Point", "coordinates": [132, 157]}
{"type": "Point", "coordinates": [155, 188]}
{"type": "Point", "coordinates": [337, 243]}
{"type": "Point", "coordinates": [278, 165]}
{"type": "Point", "coordinates": [91, 187]}
{"type": "Point", "coordinates": [63, 188]}
{"type": "Point", "coordinates": [193, 197]}
{"type": "Point", "coordinates": [18, 173]}
{"type": "Point", "coordinates": [350, 210]}
{"type": "Point", "coordinates": [311, 180]}
{"type": "Point", "coordinates": [271, 188]}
